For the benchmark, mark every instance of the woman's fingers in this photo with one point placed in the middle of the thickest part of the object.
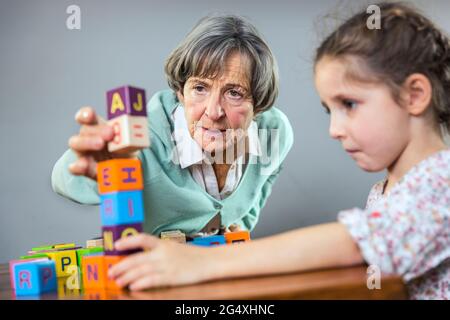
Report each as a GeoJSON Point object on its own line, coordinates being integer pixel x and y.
{"type": "Point", "coordinates": [79, 167]}
{"type": "Point", "coordinates": [86, 116]}
{"type": "Point", "coordinates": [104, 131]}
{"type": "Point", "coordinates": [82, 144]}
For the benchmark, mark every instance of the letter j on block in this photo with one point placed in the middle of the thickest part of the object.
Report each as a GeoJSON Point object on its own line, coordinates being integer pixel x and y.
{"type": "Point", "coordinates": [119, 175]}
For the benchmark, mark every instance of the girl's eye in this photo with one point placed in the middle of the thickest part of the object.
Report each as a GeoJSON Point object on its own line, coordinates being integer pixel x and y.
{"type": "Point", "coordinates": [349, 104]}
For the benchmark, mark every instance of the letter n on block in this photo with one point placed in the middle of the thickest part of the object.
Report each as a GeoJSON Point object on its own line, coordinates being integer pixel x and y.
{"type": "Point", "coordinates": [94, 272]}
{"type": "Point", "coordinates": [119, 175]}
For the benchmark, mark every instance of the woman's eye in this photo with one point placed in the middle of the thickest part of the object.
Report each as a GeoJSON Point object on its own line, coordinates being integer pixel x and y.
{"type": "Point", "coordinates": [199, 88]}
{"type": "Point", "coordinates": [235, 94]}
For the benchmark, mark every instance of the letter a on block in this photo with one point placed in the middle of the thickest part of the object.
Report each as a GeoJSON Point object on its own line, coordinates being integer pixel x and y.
{"type": "Point", "coordinates": [117, 103]}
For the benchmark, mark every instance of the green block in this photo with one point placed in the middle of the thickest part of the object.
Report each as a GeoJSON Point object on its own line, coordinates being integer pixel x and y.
{"type": "Point", "coordinates": [34, 256]}
{"type": "Point", "coordinates": [42, 248]}
{"type": "Point", "coordinates": [87, 251]}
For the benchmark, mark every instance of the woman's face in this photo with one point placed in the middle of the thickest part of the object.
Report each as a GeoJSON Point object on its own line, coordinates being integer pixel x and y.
{"type": "Point", "coordinates": [371, 126]}
{"type": "Point", "coordinates": [219, 111]}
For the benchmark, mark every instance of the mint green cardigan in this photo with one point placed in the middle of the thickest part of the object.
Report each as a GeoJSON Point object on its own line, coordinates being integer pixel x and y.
{"type": "Point", "coordinates": [172, 198]}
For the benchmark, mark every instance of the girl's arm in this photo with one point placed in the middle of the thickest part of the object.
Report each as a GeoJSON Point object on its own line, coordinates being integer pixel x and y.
{"type": "Point", "coordinates": [322, 246]}
{"type": "Point", "coordinates": [165, 262]}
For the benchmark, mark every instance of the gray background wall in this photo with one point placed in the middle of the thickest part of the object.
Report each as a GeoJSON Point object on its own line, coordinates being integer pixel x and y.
{"type": "Point", "coordinates": [47, 72]}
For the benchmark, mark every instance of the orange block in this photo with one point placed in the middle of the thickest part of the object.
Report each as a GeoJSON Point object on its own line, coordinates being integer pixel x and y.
{"type": "Point", "coordinates": [94, 272]}
{"type": "Point", "coordinates": [237, 236]}
{"type": "Point", "coordinates": [109, 262]}
{"type": "Point", "coordinates": [119, 175]}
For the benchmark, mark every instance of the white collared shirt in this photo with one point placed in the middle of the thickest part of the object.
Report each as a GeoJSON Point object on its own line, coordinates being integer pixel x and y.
{"type": "Point", "coordinates": [191, 155]}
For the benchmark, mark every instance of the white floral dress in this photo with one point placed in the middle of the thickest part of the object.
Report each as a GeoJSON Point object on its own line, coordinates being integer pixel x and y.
{"type": "Point", "coordinates": [407, 231]}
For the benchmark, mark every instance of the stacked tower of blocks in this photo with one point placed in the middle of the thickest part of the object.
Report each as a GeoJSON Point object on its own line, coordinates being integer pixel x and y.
{"type": "Point", "coordinates": [120, 183]}
{"type": "Point", "coordinates": [50, 268]}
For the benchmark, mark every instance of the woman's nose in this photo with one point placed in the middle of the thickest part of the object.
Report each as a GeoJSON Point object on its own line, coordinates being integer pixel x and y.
{"type": "Point", "coordinates": [213, 108]}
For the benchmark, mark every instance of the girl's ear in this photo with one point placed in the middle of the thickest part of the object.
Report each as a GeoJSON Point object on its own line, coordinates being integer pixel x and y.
{"type": "Point", "coordinates": [418, 93]}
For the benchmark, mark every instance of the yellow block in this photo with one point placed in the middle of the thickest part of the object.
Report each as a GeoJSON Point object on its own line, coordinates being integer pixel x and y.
{"type": "Point", "coordinates": [64, 246]}
{"type": "Point", "coordinates": [63, 260]}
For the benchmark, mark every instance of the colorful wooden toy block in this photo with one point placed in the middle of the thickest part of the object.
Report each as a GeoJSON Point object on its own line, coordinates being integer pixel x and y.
{"type": "Point", "coordinates": [126, 100]}
{"type": "Point", "coordinates": [87, 251]}
{"type": "Point", "coordinates": [130, 134]}
{"type": "Point", "coordinates": [113, 233]}
{"type": "Point", "coordinates": [123, 207]}
{"type": "Point", "coordinates": [174, 235]}
{"type": "Point", "coordinates": [237, 237]}
{"type": "Point", "coordinates": [119, 175]}
{"type": "Point", "coordinates": [109, 262]}
{"type": "Point", "coordinates": [94, 271]}
{"type": "Point", "coordinates": [209, 241]}
{"type": "Point", "coordinates": [34, 256]}
{"type": "Point", "coordinates": [34, 277]}
{"type": "Point", "coordinates": [94, 243]}
{"type": "Point", "coordinates": [63, 259]}
{"type": "Point", "coordinates": [64, 246]}
{"type": "Point", "coordinates": [12, 263]}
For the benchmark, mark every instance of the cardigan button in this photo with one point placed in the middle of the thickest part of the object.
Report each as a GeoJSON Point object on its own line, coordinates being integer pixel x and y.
{"type": "Point", "coordinates": [217, 206]}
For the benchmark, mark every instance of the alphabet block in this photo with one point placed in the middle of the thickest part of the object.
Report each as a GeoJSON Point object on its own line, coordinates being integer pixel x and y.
{"type": "Point", "coordinates": [94, 272]}
{"type": "Point", "coordinates": [63, 260]}
{"type": "Point", "coordinates": [94, 243]}
{"type": "Point", "coordinates": [237, 237]}
{"type": "Point", "coordinates": [119, 175]}
{"type": "Point", "coordinates": [130, 134]}
{"type": "Point", "coordinates": [34, 278]}
{"type": "Point", "coordinates": [121, 208]}
{"type": "Point", "coordinates": [126, 100]}
{"type": "Point", "coordinates": [113, 233]}
{"type": "Point", "coordinates": [87, 251]}
{"type": "Point", "coordinates": [174, 235]}
{"type": "Point", "coordinates": [12, 263]}
{"type": "Point", "coordinates": [209, 241]}
{"type": "Point", "coordinates": [109, 262]}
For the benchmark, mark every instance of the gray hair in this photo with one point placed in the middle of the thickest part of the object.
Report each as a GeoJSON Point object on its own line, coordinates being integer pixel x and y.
{"type": "Point", "coordinates": [206, 48]}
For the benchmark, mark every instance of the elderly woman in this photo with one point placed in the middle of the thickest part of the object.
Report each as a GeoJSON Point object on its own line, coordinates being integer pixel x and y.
{"type": "Point", "coordinates": [223, 80]}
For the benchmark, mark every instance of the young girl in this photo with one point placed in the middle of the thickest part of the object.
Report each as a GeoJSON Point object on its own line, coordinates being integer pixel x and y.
{"type": "Point", "coordinates": [388, 95]}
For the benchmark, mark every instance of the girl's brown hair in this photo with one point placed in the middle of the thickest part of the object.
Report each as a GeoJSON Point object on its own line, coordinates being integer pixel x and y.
{"type": "Point", "coordinates": [406, 43]}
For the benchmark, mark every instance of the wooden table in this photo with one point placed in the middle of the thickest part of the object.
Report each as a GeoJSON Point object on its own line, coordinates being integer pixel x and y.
{"type": "Point", "coordinates": [345, 283]}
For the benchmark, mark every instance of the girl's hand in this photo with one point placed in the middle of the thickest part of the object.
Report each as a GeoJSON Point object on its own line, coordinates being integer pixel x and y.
{"type": "Point", "coordinates": [163, 263]}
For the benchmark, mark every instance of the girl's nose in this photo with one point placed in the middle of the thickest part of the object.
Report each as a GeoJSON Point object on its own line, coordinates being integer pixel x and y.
{"type": "Point", "coordinates": [336, 129]}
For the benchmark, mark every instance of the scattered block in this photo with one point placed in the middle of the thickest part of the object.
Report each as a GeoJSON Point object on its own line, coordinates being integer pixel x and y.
{"type": "Point", "coordinates": [119, 175]}
{"type": "Point", "coordinates": [12, 263]}
{"type": "Point", "coordinates": [94, 272]}
{"type": "Point", "coordinates": [125, 207]}
{"type": "Point", "coordinates": [94, 243]}
{"type": "Point", "coordinates": [87, 251]}
{"type": "Point", "coordinates": [237, 237]}
{"type": "Point", "coordinates": [63, 260]}
{"type": "Point", "coordinates": [209, 241]}
{"type": "Point", "coordinates": [174, 235]}
{"type": "Point", "coordinates": [131, 133]}
{"type": "Point", "coordinates": [113, 233]}
{"type": "Point", "coordinates": [109, 262]}
{"type": "Point", "coordinates": [34, 277]}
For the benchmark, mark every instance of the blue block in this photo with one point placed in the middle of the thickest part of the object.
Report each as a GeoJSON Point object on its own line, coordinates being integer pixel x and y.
{"type": "Point", "coordinates": [34, 278]}
{"type": "Point", "coordinates": [209, 241]}
{"type": "Point", "coordinates": [124, 207]}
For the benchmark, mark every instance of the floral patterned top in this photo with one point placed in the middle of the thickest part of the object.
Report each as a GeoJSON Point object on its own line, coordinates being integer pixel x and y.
{"type": "Point", "coordinates": [407, 231]}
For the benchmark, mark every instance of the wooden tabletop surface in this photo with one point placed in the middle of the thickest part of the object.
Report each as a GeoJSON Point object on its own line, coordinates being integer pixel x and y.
{"type": "Point", "coordinates": [344, 283]}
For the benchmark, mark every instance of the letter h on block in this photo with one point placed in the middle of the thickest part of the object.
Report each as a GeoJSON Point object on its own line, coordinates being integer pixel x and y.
{"type": "Point", "coordinates": [128, 116]}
